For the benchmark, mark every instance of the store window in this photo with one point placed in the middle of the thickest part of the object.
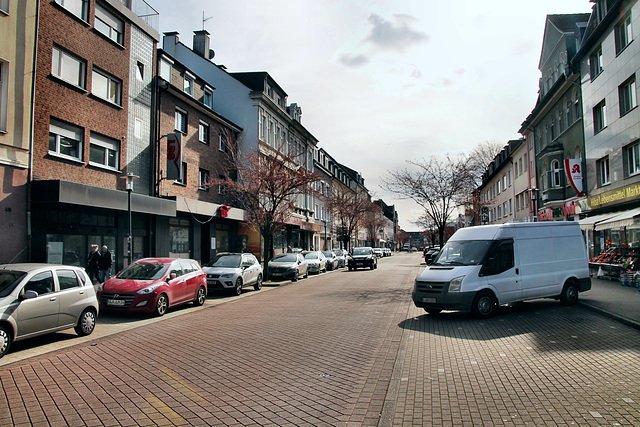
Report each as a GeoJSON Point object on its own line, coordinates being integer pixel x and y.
{"type": "Point", "coordinates": [179, 245]}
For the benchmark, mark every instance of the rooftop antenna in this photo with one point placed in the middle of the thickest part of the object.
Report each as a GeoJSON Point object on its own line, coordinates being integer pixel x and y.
{"type": "Point", "coordinates": [205, 19]}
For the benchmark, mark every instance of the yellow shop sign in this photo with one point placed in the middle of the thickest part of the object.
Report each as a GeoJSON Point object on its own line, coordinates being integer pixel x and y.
{"type": "Point", "coordinates": [620, 195]}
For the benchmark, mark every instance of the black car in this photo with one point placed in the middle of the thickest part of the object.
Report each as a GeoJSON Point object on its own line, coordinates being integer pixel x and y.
{"type": "Point", "coordinates": [362, 258]}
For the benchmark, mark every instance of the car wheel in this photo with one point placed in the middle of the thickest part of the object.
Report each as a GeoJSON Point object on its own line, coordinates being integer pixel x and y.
{"type": "Point", "coordinates": [237, 289]}
{"type": "Point", "coordinates": [86, 323]}
{"type": "Point", "coordinates": [372, 266]}
{"type": "Point", "coordinates": [161, 305]}
{"type": "Point", "coordinates": [296, 276]}
{"type": "Point", "coordinates": [484, 305]}
{"type": "Point", "coordinates": [5, 340]}
{"type": "Point", "coordinates": [569, 295]}
{"type": "Point", "coordinates": [201, 296]}
{"type": "Point", "coordinates": [258, 285]}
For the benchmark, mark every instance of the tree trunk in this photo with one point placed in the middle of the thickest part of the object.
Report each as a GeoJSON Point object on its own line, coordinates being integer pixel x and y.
{"type": "Point", "coordinates": [266, 253]}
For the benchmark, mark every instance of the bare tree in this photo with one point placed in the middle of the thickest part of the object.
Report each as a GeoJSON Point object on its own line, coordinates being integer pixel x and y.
{"type": "Point", "coordinates": [481, 156]}
{"type": "Point", "coordinates": [373, 221]}
{"type": "Point", "coordinates": [269, 181]}
{"type": "Point", "coordinates": [436, 184]}
{"type": "Point", "coordinates": [347, 208]}
{"type": "Point", "coordinates": [403, 237]}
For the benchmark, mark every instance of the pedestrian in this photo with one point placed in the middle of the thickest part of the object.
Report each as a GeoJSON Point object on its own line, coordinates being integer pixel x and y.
{"type": "Point", "coordinates": [289, 250]}
{"type": "Point", "coordinates": [104, 266]}
{"type": "Point", "coordinates": [93, 263]}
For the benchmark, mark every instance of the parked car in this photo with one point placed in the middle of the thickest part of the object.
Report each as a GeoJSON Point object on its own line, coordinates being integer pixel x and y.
{"type": "Point", "coordinates": [387, 252]}
{"type": "Point", "coordinates": [332, 260]}
{"type": "Point", "coordinates": [378, 252]}
{"type": "Point", "coordinates": [316, 261]}
{"type": "Point", "coordinates": [362, 257]}
{"type": "Point", "coordinates": [37, 299]}
{"type": "Point", "coordinates": [232, 271]}
{"type": "Point", "coordinates": [430, 254]}
{"type": "Point", "coordinates": [341, 254]}
{"type": "Point", "coordinates": [153, 285]}
{"type": "Point", "coordinates": [289, 266]}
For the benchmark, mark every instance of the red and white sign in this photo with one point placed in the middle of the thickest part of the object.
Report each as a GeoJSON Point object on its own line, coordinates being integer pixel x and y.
{"type": "Point", "coordinates": [573, 169]}
{"type": "Point", "coordinates": [223, 211]}
{"type": "Point", "coordinates": [174, 156]}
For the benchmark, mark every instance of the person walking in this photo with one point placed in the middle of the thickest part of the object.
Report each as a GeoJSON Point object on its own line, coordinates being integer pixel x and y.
{"type": "Point", "coordinates": [93, 263]}
{"type": "Point", "coordinates": [104, 266]}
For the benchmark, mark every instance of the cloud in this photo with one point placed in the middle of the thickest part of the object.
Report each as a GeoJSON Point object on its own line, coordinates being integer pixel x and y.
{"type": "Point", "coordinates": [396, 35]}
{"type": "Point", "coordinates": [353, 60]}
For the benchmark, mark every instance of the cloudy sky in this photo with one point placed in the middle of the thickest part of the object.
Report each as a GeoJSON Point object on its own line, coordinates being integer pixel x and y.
{"type": "Point", "coordinates": [381, 82]}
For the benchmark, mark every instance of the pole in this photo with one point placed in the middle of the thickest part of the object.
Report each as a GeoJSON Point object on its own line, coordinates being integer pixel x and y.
{"type": "Point", "coordinates": [129, 241]}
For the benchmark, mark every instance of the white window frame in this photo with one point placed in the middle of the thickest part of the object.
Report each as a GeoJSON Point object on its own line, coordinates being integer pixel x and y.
{"type": "Point", "coordinates": [604, 176]}
{"type": "Point", "coordinates": [222, 143]}
{"type": "Point", "coordinates": [627, 96]}
{"type": "Point", "coordinates": [595, 63]}
{"type": "Point", "coordinates": [166, 66]}
{"type": "Point", "coordinates": [221, 187]}
{"type": "Point", "coordinates": [623, 33]}
{"type": "Point", "coordinates": [4, 94]}
{"type": "Point", "coordinates": [182, 119]}
{"type": "Point", "coordinates": [107, 24]}
{"type": "Point", "coordinates": [137, 128]}
{"type": "Point", "coordinates": [61, 60]}
{"type": "Point", "coordinates": [4, 6]}
{"type": "Point", "coordinates": [79, 8]}
{"type": "Point", "coordinates": [65, 132]}
{"type": "Point", "coordinates": [599, 117]}
{"type": "Point", "coordinates": [140, 71]}
{"type": "Point", "coordinates": [203, 179]}
{"type": "Point", "coordinates": [208, 91]}
{"type": "Point", "coordinates": [632, 158]}
{"type": "Point", "coordinates": [203, 127]}
{"type": "Point", "coordinates": [111, 83]}
{"type": "Point", "coordinates": [188, 83]}
{"type": "Point", "coordinates": [110, 145]}
{"type": "Point", "coordinates": [182, 179]}
{"type": "Point", "coordinates": [555, 173]}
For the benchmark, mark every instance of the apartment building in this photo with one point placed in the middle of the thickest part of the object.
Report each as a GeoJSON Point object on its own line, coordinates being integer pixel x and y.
{"type": "Point", "coordinates": [497, 191]}
{"type": "Point", "coordinates": [18, 20]}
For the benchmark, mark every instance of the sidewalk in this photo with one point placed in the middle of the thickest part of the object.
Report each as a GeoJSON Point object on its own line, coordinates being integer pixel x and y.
{"type": "Point", "coordinates": [614, 300]}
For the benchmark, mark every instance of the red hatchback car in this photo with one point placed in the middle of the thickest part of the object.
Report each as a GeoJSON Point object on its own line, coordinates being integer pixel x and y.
{"type": "Point", "coordinates": [153, 285]}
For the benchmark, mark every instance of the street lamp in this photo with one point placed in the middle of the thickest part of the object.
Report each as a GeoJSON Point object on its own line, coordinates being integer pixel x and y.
{"type": "Point", "coordinates": [129, 186]}
{"type": "Point", "coordinates": [325, 234]}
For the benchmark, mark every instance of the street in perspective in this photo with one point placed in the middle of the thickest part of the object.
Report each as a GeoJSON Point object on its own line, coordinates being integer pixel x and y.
{"type": "Point", "coordinates": [337, 348]}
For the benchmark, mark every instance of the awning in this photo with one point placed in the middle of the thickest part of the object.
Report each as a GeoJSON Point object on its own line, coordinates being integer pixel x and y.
{"type": "Point", "coordinates": [623, 219]}
{"type": "Point", "coordinates": [589, 222]}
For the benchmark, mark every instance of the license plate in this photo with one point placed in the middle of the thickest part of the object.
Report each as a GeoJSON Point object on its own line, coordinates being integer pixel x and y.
{"type": "Point", "coordinates": [116, 302]}
{"type": "Point", "coordinates": [429, 300]}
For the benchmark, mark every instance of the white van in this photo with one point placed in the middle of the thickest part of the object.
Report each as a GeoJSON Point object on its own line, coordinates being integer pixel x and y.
{"type": "Point", "coordinates": [483, 267]}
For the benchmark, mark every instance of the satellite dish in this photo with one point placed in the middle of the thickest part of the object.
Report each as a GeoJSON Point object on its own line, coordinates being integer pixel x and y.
{"type": "Point", "coordinates": [211, 54]}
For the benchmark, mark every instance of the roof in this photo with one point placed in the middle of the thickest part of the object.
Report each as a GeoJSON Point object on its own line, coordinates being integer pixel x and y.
{"type": "Point", "coordinates": [567, 22]}
{"type": "Point", "coordinates": [254, 80]}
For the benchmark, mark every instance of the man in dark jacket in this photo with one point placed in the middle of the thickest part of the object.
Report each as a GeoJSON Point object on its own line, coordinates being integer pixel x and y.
{"type": "Point", "coordinates": [93, 263]}
{"type": "Point", "coordinates": [104, 272]}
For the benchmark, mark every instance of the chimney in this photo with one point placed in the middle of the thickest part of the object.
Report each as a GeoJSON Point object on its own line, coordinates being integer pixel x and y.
{"type": "Point", "coordinates": [169, 42]}
{"type": "Point", "coordinates": [201, 43]}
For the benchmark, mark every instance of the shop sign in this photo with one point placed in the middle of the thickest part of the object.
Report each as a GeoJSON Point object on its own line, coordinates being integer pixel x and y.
{"type": "Point", "coordinates": [293, 221]}
{"type": "Point", "coordinates": [309, 226]}
{"type": "Point", "coordinates": [174, 156]}
{"type": "Point", "coordinates": [545, 214]}
{"type": "Point", "coordinates": [573, 169]}
{"type": "Point", "coordinates": [223, 211]}
{"type": "Point", "coordinates": [571, 208]}
{"type": "Point", "coordinates": [620, 195]}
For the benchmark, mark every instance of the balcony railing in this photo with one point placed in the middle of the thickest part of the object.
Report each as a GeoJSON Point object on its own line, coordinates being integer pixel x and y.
{"type": "Point", "coordinates": [144, 11]}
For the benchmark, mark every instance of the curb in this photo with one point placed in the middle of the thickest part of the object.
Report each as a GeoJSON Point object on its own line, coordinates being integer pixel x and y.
{"type": "Point", "coordinates": [627, 321]}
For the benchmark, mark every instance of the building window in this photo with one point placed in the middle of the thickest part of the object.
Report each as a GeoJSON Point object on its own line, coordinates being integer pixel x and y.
{"type": "Point", "coordinates": [555, 174]}
{"type": "Point", "coordinates": [599, 117]}
{"type": "Point", "coordinates": [4, 94]}
{"type": "Point", "coordinates": [203, 133]}
{"type": "Point", "coordinates": [79, 8]}
{"type": "Point", "coordinates": [181, 121]}
{"type": "Point", "coordinates": [104, 151]}
{"type": "Point", "coordinates": [140, 71]}
{"type": "Point", "coordinates": [68, 67]}
{"type": "Point", "coordinates": [627, 94]}
{"type": "Point", "coordinates": [623, 33]}
{"type": "Point", "coordinates": [165, 69]}
{"type": "Point", "coordinates": [602, 167]}
{"type": "Point", "coordinates": [203, 180]}
{"type": "Point", "coordinates": [188, 83]}
{"type": "Point", "coordinates": [595, 63]}
{"type": "Point", "coordinates": [222, 142]}
{"type": "Point", "coordinates": [182, 179]}
{"type": "Point", "coordinates": [107, 24]}
{"type": "Point", "coordinates": [65, 139]}
{"type": "Point", "coordinates": [137, 128]}
{"type": "Point", "coordinates": [4, 6]}
{"type": "Point", "coordinates": [560, 124]}
{"type": "Point", "coordinates": [106, 87]}
{"type": "Point", "coordinates": [632, 159]}
{"type": "Point", "coordinates": [576, 105]}
{"type": "Point", "coordinates": [510, 206]}
{"type": "Point", "coordinates": [222, 189]}
{"type": "Point", "coordinates": [207, 98]}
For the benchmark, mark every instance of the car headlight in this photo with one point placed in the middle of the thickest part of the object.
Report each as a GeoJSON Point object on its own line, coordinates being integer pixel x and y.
{"type": "Point", "coordinates": [226, 275]}
{"type": "Point", "coordinates": [455, 284]}
{"type": "Point", "coordinates": [147, 290]}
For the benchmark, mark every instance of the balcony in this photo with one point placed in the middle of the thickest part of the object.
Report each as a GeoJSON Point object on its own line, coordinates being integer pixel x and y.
{"type": "Point", "coordinates": [144, 11]}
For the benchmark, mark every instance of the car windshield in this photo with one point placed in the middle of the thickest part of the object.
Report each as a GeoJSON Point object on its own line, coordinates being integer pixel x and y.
{"type": "Point", "coordinates": [144, 271]}
{"type": "Point", "coordinates": [9, 280]}
{"type": "Point", "coordinates": [285, 258]}
{"type": "Point", "coordinates": [362, 251]}
{"type": "Point", "coordinates": [469, 252]}
{"type": "Point", "coordinates": [311, 255]}
{"type": "Point", "coordinates": [226, 261]}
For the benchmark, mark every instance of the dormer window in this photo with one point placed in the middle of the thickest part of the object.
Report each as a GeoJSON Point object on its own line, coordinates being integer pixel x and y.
{"type": "Point", "coordinates": [207, 98]}
{"type": "Point", "coordinates": [189, 81]}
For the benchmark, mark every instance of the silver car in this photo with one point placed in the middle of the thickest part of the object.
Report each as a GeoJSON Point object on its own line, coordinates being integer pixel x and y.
{"type": "Point", "coordinates": [316, 261]}
{"type": "Point", "coordinates": [233, 271]}
{"type": "Point", "coordinates": [288, 266]}
{"type": "Point", "coordinates": [37, 299]}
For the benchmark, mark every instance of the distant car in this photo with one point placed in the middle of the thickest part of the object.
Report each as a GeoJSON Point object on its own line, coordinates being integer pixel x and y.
{"type": "Point", "coordinates": [37, 299]}
{"type": "Point", "coordinates": [332, 260]}
{"type": "Point", "coordinates": [341, 254]}
{"type": "Point", "coordinates": [153, 285]}
{"type": "Point", "coordinates": [430, 254]}
{"type": "Point", "coordinates": [362, 257]}
{"type": "Point", "coordinates": [289, 266]}
{"type": "Point", "coordinates": [387, 252]}
{"type": "Point", "coordinates": [232, 271]}
{"type": "Point", "coordinates": [316, 260]}
{"type": "Point", "coordinates": [378, 252]}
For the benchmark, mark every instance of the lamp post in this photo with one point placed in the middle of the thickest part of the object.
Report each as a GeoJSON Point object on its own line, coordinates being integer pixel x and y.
{"type": "Point", "coordinates": [325, 234]}
{"type": "Point", "coordinates": [129, 187]}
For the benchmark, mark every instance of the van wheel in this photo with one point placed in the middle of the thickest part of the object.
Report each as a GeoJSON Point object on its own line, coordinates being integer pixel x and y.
{"type": "Point", "coordinates": [484, 305]}
{"type": "Point", "coordinates": [569, 295]}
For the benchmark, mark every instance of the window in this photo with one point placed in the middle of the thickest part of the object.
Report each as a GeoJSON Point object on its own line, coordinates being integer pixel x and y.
{"type": "Point", "coordinates": [68, 67]}
{"type": "Point", "coordinates": [560, 124]}
{"type": "Point", "coordinates": [41, 283]}
{"type": "Point", "coordinates": [555, 174]}
{"type": "Point", "coordinates": [183, 175]}
{"type": "Point", "coordinates": [188, 83]}
{"type": "Point", "coordinates": [627, 94]}
{"type": "Point", "coordinates": [599, 117]}
{"type": "Point", "coordinates": [222, 142]}
{"type": "Point", "coordinates": [602, 166]}
{"type": "Point", "coordinates": [203, 133]}
{"type": "Point", "coordinates": [623, 33]}
{"type": "Point", "coordinates": [504, 209]}
{"type": "Point", "coordinates": [165, 69]}
{"type": "Point", "coordinates": [4, 94]}
{"type": "Point", "coordinates": [137, 128]}
{"type": "Point", "coordinates": [181, 121]}
{"type": "Point", "coordinates": [107, 24]}
{"type": "Point", "coordinates": [595, 63]}
{"type": "Point", "coordinates": [510, 206]}
{"type": "Point", "coordinates": [577, 113]}
{"type": "Point", "coordinates": [65, 139]}
{"type": "Point", "coordinates": [4, 6]}
{"type": "Point", "coordinates": [76, 7]}
{"type": "Point", "coordinates": [222, 190]}
{"type": "Point", "coordinates": [67, 279]}
{"type": "Point", "coordinates": [203, 180]}
{"type": "Point", "coordinates": [106, 87]}
{"type": "Point", "coordinates": [632, 159]}
{"type": "Point", "coordinates": [104, 151]}
{"type": "Point", "coordinates": [567, 111]}
{"type": "Point", "coordinates": [140, 71]}
{"type": "Point", "coordinates": [207, 98]}
{"type": "Point", "coordinates": [263, 127]}
{"type": "Point", "coordinates": [499, 211]}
